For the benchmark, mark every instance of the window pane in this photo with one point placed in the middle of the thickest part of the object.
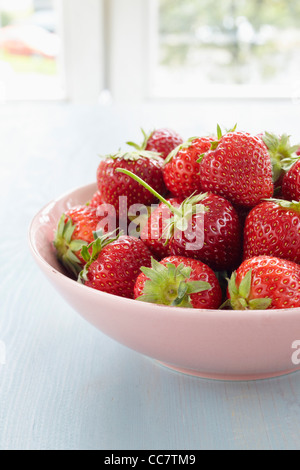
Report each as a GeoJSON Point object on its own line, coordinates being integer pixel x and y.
{"type": "Point", "coordinates": [29, 50]}
{"type": "Point", "coordinates": [217, 44]}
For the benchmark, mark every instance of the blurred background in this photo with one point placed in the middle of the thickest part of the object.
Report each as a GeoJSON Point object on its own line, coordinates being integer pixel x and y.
{"type": "Point", "coordinates": [103, 51]}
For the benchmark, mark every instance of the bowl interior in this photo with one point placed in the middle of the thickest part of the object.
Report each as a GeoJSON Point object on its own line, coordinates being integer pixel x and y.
{"type": "Point", "coordinates": [42, 229]}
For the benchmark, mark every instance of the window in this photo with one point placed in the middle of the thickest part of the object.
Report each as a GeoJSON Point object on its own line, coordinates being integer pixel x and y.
{"type": "Point", "coordinates": [29, 50]}
{"type": "Point", "coordinates": [226, 48]}
{"type": "Point", "coordinates": [51, 49]}
{"type": "Point", "coordinates": [132, 50]}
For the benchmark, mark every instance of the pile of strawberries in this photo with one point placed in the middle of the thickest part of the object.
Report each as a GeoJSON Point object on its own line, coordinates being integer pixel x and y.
{"type": "Point", "coordinates": [211, 222]}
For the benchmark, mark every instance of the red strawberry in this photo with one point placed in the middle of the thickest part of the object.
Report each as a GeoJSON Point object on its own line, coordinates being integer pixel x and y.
{"type": "Point", "coordinates": [238, 167]}
{"type": "Point", "coordinates": [162, 141]}
{"type": "Point", "coordinates": [96, 200]}
{"type": "Point", "coordinates": [75, 229]}
{"type": "Point", "coordinates": [291, 183]}
{"type": "Point", "coordinates": [114, 265]}
{"type": "Point", "coordinates": [298, 151]}
{"type": "Point", "coordinates": [179, 282]}
{"type": "Point", "coordinates": [113, 185]}
{"type": "Point", "coordinates": [153, 233]}
{"type": "Point", "coordinates": [205, 227]}
{"type": "Point", "coordinates": [265, 282]}
{"type": "Point", "coordinates": [218, 229]}
{"type": "Point", "coordinates": [273, 228]}
{"type": "Point", "coordinates": [182, 169]}
{"type": "Point", "coordinates": [108, 221]}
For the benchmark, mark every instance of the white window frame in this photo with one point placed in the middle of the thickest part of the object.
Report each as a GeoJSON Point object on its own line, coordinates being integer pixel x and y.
{"type": "Point", "coordinates": [129, 45]}
{"type": "Point", "coordinates": [82, 56]}
{"type": "Point", "coordinates": [114, 40]}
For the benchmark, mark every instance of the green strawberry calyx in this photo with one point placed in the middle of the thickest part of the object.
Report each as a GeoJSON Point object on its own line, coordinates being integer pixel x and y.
{"type": "Point", "coordinates": [288, 205]}
{"type": "Point", "coordinates": [187, 144]}
{"type": "Point", "coordinates": [215, 144]}
{"type": "Point", "coordinates": [144, 144]}
{"type": "Point", "coordinates": [134, 156]}
{"type": "Point", "coordinates": [281, 151]}
{"type": "Point", "coordinates": [170, 285]}
{"type": "Point", "coordinates": [180, 219]}
{"type": "Point", "coordinates": [66, 248]}
{"type": "Point", "coordinates": [91, 252]}
{"type": "Point", "coordinates": [288, 163]}
{"type": "Point", "coordinates": [239, 296]}
{"type": "Point", "coordinates": [181, 215]}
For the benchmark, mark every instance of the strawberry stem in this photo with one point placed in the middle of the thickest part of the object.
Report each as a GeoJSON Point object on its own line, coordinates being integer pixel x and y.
{"type": "Point", "coordinates": [150, 189]}
{"type": "Point", "coordinates": [144, 143]}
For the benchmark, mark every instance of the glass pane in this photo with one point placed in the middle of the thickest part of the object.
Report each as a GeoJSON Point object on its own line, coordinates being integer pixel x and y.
{"type": "Point", "coordinates": [29, 50]}
{"type": "Point", "coordinates": [217, 44]}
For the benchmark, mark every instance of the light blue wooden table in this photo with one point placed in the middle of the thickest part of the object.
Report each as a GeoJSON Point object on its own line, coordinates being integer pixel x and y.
{"type": "Point", "coordinates": [64, 385]}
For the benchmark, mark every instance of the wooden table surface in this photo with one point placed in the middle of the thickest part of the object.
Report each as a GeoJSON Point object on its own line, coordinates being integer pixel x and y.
{"type": "Point", "coordinates": [63, 384]}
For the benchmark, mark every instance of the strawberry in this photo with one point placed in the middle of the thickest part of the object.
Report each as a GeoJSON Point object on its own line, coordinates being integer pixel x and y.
{"type": "Point", "coordinates": [113, 264]}
{"type": "Point", "coordinates": [265, 282]}
{"type": "Point", "coordinates": [273, 228]}
{"type": "Point", "coordinates": [96, 200]}
{"type": "Point", "coordinates": [238, 167]}
{"type": "Point", "coordinates": [75, 229]}
{"type": "Point", "coordinates": [113, 185]}
{"type": "Point", "coordinates": [218, 229]}
{"type": "Point", "coordinates": [106, 213]}
{"type": "Point", "coordinates": [205, 227]}
{"type": "Point", "coordinates": [182, 169]}
{"type": "Point", "coordinates": [291, 183]}
{"type": "Point", "coordinates": [180, 282]}
{"type": "Point", "coordinates": [281, 151]}
{"type": "Point", "coordinates": [153, 233]}
{"type": "Point", "coordinates": [162, 141]}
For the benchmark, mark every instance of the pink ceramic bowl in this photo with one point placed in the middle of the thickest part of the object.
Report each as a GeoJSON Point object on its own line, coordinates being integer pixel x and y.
{"type": "Point", "coordinates": [227, 345]}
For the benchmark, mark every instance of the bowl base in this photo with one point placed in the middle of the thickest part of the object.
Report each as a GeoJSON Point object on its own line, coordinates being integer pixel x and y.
{"type": "Point", "coordinates": [225, 377]}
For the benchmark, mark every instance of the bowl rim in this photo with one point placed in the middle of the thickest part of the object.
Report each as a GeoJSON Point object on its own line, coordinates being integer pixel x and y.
{"type": "Point", "coordinates": [188, 312]}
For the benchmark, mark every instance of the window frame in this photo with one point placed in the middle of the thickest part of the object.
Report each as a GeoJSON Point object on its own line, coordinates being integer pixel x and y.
{"type": "Point", "coordinates": [234, 91]}
{"type": "Point", "coordinates": [89, 77]}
